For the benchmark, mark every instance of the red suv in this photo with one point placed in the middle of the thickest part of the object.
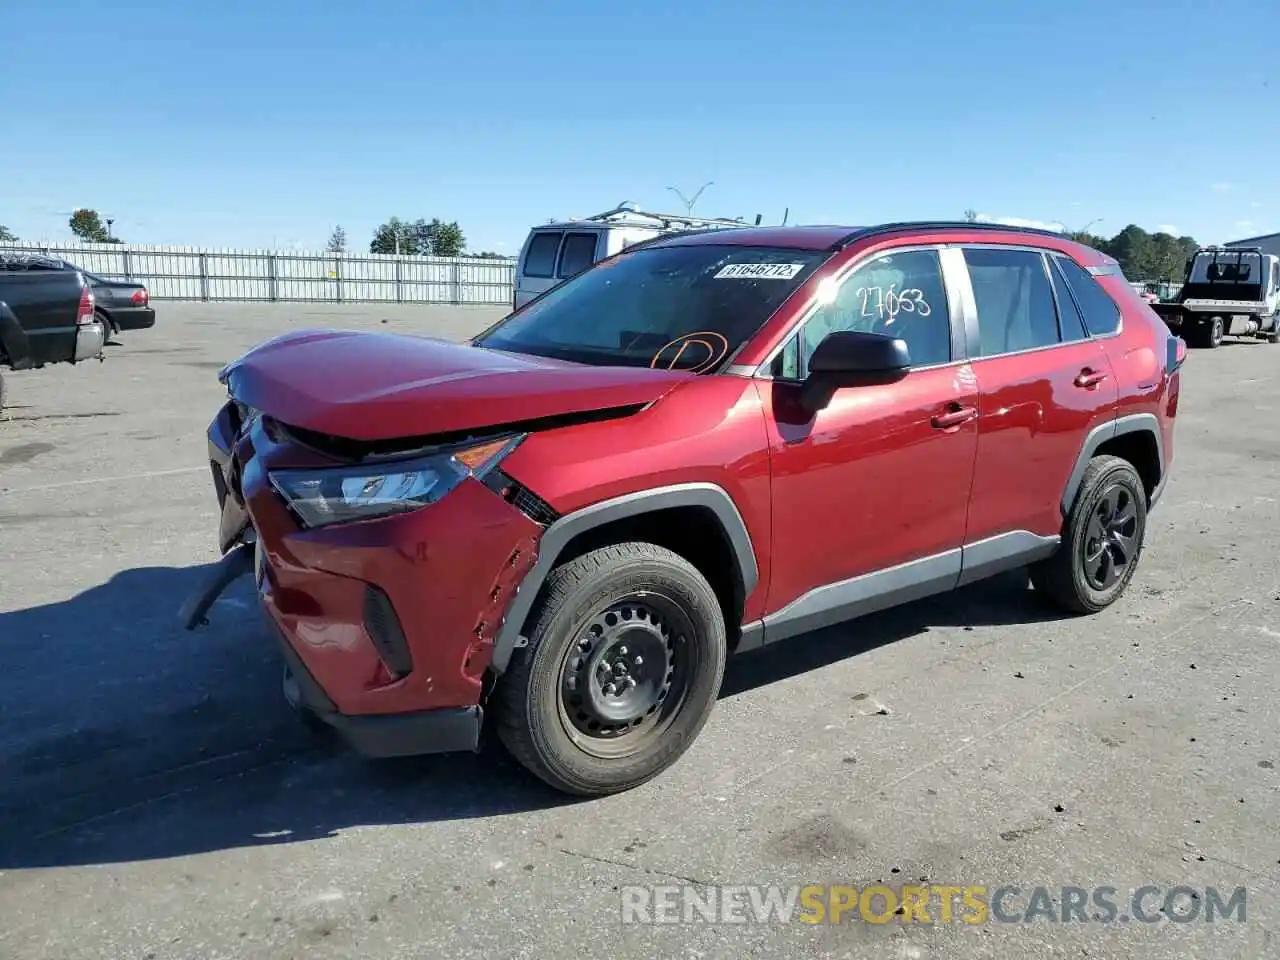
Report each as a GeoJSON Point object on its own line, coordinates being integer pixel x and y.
{"type": "Point", "coordinates": [707, 443]}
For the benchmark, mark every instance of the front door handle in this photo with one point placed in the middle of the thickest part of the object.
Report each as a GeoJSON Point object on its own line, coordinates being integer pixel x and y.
{"type": "Point", "coordinates": [954, 417]}
{"type": "Point", "coordinates": [1088, 379]}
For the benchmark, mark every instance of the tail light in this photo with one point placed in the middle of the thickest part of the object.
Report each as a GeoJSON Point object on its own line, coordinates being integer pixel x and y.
{"type": "Point", "coordinates": [139, 298]}
{"type": "Point", "coordinates": [84, 314]}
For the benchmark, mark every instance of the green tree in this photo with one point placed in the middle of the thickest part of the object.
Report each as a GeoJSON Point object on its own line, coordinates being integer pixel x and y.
{"type": "Point", "coordinates": [971, 215]}
{"type": "Point", "coordinates": [88, 226]}
{"type": "Point", "coordinates": [391, 237]}
{"type": "Point", "coordinates": [7, 235]}
{"type": "Point", "coordinates": [419, 238]}
{"type": "Point", "coordinates": [1134, 251]}
{"type": "Point", "coordinates": [337, 240]}
{"type": "Point", "coordinates": [443, 239]}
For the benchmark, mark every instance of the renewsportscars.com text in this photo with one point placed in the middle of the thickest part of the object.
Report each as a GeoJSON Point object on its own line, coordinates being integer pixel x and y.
{"type": "Point", "coordinates": [929, 904]}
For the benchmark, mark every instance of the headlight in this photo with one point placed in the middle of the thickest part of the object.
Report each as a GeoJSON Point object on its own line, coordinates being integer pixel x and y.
{"type": "Point", "coordinates": [341, 494]}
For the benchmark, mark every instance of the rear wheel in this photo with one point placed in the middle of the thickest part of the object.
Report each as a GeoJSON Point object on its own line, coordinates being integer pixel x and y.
{"type": "Point", "coordinates": [621, 672]}
{"type": "Point", "coordinates": [1102, 540]}
{"type": "Point", "coordinates": [107, 330]}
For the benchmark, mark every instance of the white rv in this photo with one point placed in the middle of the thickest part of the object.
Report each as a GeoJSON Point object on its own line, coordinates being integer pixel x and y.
{"type": "Point", "coordinates": [554, 252]}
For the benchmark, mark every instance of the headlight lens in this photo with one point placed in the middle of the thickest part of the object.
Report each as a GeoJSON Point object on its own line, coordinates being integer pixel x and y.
{"type": "Point", "coordinates": [341, 494]}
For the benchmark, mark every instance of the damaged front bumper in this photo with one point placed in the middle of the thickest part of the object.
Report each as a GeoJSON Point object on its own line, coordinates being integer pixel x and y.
{"type": "Point", "coordinates": [386, 626]}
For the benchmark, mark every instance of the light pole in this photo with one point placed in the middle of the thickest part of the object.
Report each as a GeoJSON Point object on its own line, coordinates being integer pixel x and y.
{"type": "Point", "coordinates": [109, 235]}
{"type": "Point", "coordinates": [688, 204]}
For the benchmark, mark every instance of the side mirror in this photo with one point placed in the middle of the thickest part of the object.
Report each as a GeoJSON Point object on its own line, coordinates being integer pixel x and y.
{"type": "Point", "coordinates": [849, 358]}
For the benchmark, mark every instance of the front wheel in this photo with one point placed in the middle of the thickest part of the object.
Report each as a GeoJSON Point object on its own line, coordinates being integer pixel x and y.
{"type": "Point", "coordinates": [1102, 540]}
{"type": "Point", "coordinates": [1214, 333]}
{"type": "Point", "coordinates": [1274, 335]}
{"type": "Point", "coordinates": [621, 672]}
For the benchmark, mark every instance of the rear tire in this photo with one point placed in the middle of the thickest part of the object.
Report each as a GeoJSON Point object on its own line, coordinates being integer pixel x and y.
{"type": "Point", "coordinates": [622, 670]}
{"type": "Point", "coordinates": [107, 330]}
{"type": "Point", "coordinates": [1102, 540]}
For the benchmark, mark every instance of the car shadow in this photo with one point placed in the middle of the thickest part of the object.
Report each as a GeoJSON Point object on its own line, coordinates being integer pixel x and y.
{"type": "Point", "coordinates": [125, 738]}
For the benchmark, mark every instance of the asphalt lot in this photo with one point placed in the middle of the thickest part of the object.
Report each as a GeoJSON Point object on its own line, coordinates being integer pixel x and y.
{"type": "Point", "coordinates": [157, 799]}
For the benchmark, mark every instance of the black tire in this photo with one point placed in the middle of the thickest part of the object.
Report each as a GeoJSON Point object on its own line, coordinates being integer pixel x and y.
{"type": "Point", "coordinates": [108, 331]}
{"type": "Point", "coordinates": [563, 682]}
{"type": "Point", "coordinates": [1214, 333]}
{"type": "Point", "coordinates": [1110, 491]}
{"type": "Point", "coordinates": [1274, 335]}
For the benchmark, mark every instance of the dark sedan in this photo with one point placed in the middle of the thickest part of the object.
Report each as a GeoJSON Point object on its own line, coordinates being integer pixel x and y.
{"type": "Point", "coordinates": [120, 304]}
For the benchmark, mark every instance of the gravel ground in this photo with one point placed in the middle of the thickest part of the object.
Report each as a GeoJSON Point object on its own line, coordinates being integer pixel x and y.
{"type": "Point", "coordinates": [159, 801]}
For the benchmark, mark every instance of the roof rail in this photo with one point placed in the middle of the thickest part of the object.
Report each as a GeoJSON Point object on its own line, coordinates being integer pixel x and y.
{"type": "Point", "coordinates": [940, 225]}
{"type": "Point", "coordinates": [668, 220]}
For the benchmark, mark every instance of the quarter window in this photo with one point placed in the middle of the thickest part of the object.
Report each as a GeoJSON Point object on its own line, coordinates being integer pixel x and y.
{"type": "Point", "coordinates": [1069, 318]}
{"type": "Point", "coordinates": [897, 294]}
{"type": "Point", "coordinates": [1101, 315]}
{"type": "Point", "coordinates": [540, 258]}
{"type": "Point", "coordinates": [1014, 300]}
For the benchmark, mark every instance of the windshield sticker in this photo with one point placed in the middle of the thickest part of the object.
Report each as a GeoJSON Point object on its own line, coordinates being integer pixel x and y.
{"type": "Point", "coordinates": [701, 351]}
{"type": "Point", "coordinates": [759, 271]}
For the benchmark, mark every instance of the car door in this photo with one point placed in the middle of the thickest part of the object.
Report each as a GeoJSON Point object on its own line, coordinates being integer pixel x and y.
{"type": "Point", "coordinates": [870, 491]}
{"type": "Point", "coordinates": [1043, 384]}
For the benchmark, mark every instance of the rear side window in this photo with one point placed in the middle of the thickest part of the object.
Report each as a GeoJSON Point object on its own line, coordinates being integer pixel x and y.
{"type": "Point", "coordinates": [577, 253]}
{"type": "Point", "coordinates": [1015, 302]}
{"type": "Point", "coordinates": [1073, 328]}
{"type": "Point", "coordinates": [1101, 315]}
{"type": "Point", "coordinates": [540, 258]}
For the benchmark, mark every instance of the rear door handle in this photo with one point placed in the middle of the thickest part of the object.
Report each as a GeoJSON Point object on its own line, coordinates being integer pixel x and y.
{"type": "Point", "coordinates": [1088, 379]}
{"type": "Point", "coordinates": [955, 415]}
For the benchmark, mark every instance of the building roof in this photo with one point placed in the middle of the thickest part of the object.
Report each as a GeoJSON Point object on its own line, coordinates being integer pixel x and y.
{"type": "Point", "coordinates": [1265, 236]}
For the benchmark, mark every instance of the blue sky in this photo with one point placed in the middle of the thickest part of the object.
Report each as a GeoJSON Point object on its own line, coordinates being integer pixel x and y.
{"type": "Point", "coordinates": [258, 124]}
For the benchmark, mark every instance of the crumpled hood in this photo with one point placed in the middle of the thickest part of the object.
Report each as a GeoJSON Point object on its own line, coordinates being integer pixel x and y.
{"type": "Point", "coordinates": [381, 386]}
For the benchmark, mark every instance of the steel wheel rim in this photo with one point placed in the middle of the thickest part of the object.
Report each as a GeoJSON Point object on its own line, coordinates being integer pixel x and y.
{"type": "Point", "coordinates": [626, 675]}
{"type": "Point", "coordinates": [1111, 537]}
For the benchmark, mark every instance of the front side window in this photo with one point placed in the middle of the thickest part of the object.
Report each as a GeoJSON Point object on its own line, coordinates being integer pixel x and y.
{"type": "Point", "coordinates": [897, 294]}
{"type": "Point", "coordinates": [679, 307]}
{"type": "Point", "coordinates": [1015, 302]}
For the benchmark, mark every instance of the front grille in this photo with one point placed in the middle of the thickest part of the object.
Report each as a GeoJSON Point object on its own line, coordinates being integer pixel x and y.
{"type": "Point", "coordinates": [383, 627]}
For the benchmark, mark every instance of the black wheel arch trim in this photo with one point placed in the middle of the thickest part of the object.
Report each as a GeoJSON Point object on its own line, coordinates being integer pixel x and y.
{"type": "Point", "coordinates": [1120, 426]}
{"type": "Point", "coordinates": [13, 338]}
{"type": "Point", "coordinates": [562, 532]}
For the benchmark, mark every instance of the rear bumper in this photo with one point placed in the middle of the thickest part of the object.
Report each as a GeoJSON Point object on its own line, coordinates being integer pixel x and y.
{"type": "Point", "coordinates": [133, 318]}
{"type": "Point", "coordinates": [90, 339]}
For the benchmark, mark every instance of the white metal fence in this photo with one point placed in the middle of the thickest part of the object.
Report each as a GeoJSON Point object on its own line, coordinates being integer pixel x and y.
{"type": "Point", "coordinates": [196, 273]}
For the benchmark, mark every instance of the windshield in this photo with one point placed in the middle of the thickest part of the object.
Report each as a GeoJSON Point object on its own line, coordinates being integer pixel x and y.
{"type": "Point", "coordinates": [683, 307]}
{"type": "Point", "coordinates": [1225, 266]}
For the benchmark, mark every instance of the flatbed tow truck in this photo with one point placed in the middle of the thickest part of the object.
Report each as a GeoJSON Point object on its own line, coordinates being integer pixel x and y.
{"type": "Point", "coordinates": [1227, 291]}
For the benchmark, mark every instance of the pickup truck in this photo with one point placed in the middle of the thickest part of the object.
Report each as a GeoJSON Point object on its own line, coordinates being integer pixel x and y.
{"type": "Point", "coordinates": [46, 316]}
{"type": "Point", "coordinates": [1228, 291]}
